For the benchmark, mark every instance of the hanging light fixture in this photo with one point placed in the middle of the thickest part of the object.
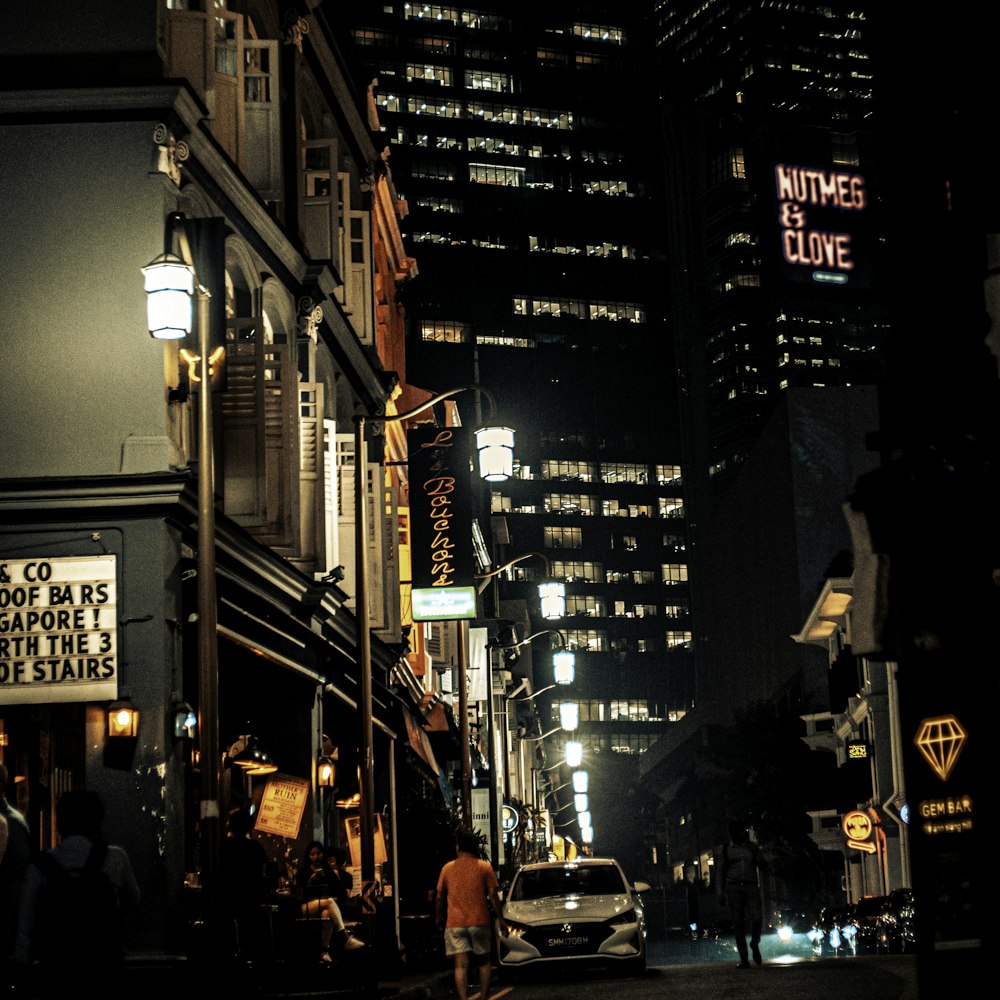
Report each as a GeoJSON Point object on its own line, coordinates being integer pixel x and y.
{"type": "Point", "coordinates": [552, 598]}
{"type": "Point", "coordinates": [580, 781]}
{"type": "Point", "coordinates": [251, 757]}
{"type": "Point", "coordinates": [583, 819]}
{"type": "Point", "coordinates": [574, 753]}
{"type": "Point", "coordinates": [569, 715]}
{"type": "Point", "coordinates": [564, 666]}
{"type": "Point", "coordinates": [580, 802]}
{"type": "Point", "coordinates": [496, 453]}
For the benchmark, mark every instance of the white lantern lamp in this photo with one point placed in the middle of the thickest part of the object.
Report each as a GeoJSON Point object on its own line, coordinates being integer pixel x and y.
{"type": "Point", "coordinates": [569, 715]}
{"type": "Point", "coordinates": [564, 666]}
{"type": "Point", "coordinates": [552, 598]}
{"type": "Point", "coordinates": [169, 289]}
{"type": "Point", "coordinates": [496, 453]}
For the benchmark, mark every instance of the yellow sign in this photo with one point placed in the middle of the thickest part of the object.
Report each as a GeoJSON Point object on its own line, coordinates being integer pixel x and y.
{"type": "Point", "coordinates": [282, 806]}
{"type": "Point", "coordinates": [949, 815]}
{"type": "Point", "coordinates": [940, 741]}
{"type": "Point", "coordinates": [857, 825]}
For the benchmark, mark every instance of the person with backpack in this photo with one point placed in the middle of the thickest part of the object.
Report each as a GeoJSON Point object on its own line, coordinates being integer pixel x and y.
{"type": "Point", "coordinates": [74, 898]}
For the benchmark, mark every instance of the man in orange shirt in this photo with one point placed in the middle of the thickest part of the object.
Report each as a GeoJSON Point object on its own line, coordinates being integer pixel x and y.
{"type": "Point", "coordinates": [466, 888]}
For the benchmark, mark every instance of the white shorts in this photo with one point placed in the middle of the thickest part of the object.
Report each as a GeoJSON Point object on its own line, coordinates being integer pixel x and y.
{"type": "Point", "coordinates": [458, 940]}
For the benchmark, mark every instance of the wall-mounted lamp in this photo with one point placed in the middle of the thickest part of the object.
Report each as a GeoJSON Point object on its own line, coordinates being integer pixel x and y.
{"type": "Point", "coordinates": [583, 818]}
{"type": "Point", "coordinates": [580, 781]}
{"type": "Point", "coordinates": [123, 719]}
{"type": "Point", "coordinates": [326, 772]}
{"type": "Point", "coordinates": [581, 803]}
{"type": "Point", "coordinates": [573, 753]}
{"type": "Point", "coordinates": [185, 721]}
{"type": "Point", "coordinates": [587, 834]}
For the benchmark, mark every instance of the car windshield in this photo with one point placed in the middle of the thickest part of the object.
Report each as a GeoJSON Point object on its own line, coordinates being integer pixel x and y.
{"type": "Point", "coordinates": [595, 880]}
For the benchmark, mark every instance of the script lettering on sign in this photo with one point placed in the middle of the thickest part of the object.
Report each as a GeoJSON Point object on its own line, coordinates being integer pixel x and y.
{"type": "Point", "coordinates": [58, 629]}
{"type": "Point", "coordinates": [440, 513]}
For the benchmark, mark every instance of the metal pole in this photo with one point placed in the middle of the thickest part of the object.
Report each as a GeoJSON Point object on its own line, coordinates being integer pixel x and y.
{"type": "Point", "coordinates": [494, 770]}
{"type": "Point", "coordinates": [394, 841]}
{"type": "Point", "coordinates": [208, 640]}
{"type": "Point", "coordinates": [463, 711]}
{"type": "Point", "coordinates": [365, 667]}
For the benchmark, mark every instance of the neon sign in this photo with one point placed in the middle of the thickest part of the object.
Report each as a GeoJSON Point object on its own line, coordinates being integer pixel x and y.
{"type": "Point", "coordinates": [814, 211]}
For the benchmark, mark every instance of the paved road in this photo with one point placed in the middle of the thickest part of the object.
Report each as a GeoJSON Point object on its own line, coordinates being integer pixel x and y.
{"type": "Point", "coordinates": [885, 977]}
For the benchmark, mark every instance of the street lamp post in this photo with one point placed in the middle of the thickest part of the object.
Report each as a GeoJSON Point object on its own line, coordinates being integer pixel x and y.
{"type": "Point", "coordinates": [495, 447]}
{"type": "Point", "coordinates": [170, 282]}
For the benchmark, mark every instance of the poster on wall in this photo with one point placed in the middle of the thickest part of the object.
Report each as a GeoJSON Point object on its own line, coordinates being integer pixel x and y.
{"type": "Point", "coordinates": [58, 629]}
{"type": "Point", "coordinates": [282, 806]}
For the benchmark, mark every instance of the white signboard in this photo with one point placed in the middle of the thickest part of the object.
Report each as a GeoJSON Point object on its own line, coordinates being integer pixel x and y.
{"type": "Point", "coordinates": [58, 629]}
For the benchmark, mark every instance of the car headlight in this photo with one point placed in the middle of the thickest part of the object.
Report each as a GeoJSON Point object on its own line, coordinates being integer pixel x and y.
{"type": "Point", "coordinates": [624, 919]}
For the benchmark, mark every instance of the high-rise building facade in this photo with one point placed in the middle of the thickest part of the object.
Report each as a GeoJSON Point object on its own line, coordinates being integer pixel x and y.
{"type": "Point", "coordinates": [768, 111]}
{"type": "Point", "coordinates": [780, 315]}
{"type": "Point", "coordinates": [522, 138]}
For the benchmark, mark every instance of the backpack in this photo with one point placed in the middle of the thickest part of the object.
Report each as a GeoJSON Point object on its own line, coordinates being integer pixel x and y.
{"type": "Point", "coordinates": [77, 916]}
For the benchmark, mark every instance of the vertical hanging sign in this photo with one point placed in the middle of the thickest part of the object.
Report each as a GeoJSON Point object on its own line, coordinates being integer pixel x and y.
{"type": "Point", "coordinates": [441, 524]}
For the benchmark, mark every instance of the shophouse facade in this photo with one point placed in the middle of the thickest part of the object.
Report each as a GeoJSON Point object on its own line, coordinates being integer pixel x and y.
{"type": "Point", "coordinates": [133, 127]}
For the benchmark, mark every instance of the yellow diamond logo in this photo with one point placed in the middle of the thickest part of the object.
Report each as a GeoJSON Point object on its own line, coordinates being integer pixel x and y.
{"type": "Point", "coordinates": [940, 740]}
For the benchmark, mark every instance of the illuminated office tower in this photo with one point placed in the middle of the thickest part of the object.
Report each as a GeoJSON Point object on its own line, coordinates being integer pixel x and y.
{"type": "Point", "coordinates": [523, 138]}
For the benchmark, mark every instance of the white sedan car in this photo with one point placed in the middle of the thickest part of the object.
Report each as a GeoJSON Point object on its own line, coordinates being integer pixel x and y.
{"type": "Point", "coordinates": [584, 911]}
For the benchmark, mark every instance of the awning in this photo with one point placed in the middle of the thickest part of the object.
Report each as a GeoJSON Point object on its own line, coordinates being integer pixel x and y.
{"type": "Point", "coordinates": [445, 739]}
{"type": "Point", "coordinates": [420, 742]}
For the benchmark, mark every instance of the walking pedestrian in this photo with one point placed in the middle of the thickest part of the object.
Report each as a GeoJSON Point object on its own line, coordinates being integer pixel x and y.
{"type": "Point", "coordinates": [466, 889]}
{"type": "Point", "coordinates": [739, 886]}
